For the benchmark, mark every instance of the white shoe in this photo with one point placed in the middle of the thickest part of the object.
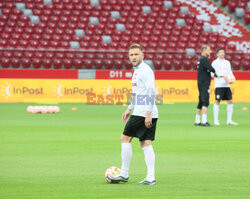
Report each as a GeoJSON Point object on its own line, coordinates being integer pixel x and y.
{"type": "Point", "coordinates": [232, 123]}
{"type": "Point", "coordinates": [216, 123]}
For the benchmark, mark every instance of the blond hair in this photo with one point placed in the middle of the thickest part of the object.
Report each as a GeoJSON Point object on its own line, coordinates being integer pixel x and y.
{"type": "Point", "coordinates": [134, 46]}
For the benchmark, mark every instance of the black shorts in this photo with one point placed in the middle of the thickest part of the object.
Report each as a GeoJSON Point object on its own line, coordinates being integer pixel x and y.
{"type": "Point", "coordinates": [224, 93]}
{"type": "Point", "coordinates": [135, 127]}
{"type": "Point", "coordinates": [203, 96]}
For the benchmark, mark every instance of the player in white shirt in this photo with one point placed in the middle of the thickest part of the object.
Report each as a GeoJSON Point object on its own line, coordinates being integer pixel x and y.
{"type": "Point", "coordinates": [222, 86]}
{"type": "Point", "coordinates": [142, 123]}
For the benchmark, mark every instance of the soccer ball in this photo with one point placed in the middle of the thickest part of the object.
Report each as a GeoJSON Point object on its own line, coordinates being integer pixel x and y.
{"type": "Point", "coordinates": [111, 171]}
{"type": "Point", "coordinates": [230, 79]}
{"type": "Point", "coordinates": [56, 109]}
{"type": "Point", "coordinates": [30, 109]}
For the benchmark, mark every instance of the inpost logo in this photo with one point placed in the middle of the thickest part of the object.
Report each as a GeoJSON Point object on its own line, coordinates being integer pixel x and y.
{"type": "Point", "coordinates": [109, 90]}
{"type": "Point", "coordinates": [57, 90]}
{"type": "Point", "coordinates": [9, 90]}
{"type": "Point", "coordinates": [60, 90]}
{"type": "Point", "coordinates": [6, 90]}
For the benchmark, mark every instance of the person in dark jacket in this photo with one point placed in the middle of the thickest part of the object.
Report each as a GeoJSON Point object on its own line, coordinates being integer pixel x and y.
{"type": "Point", "coordinates": [203, 79]}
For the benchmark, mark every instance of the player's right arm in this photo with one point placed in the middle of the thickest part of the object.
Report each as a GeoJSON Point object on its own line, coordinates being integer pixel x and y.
{"type": "Point", "coordinates": [230, 69]}
{"type": "Point", "coordinates": [126, 115]}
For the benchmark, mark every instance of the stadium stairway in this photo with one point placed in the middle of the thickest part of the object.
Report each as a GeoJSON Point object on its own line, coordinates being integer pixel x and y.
{"type": "Point", "coordinates": [239, 9]}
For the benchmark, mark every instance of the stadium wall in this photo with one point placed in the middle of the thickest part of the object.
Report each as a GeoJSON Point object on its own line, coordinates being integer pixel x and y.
{"type": "Point", "coordinates": [50, 86]}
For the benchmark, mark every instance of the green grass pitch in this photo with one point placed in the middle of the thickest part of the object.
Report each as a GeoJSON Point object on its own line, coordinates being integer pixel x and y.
{"type": "Point", "coordinates": [65, 155]}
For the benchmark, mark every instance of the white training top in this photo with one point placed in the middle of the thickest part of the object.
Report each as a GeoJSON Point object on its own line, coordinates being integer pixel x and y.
{"type": "Point", "coordinates": [222, 68]}
{"type": "Point", "coordinates": [143, 91]}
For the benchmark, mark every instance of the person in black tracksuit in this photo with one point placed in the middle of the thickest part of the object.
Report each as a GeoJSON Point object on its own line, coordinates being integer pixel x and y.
{"type": "Point", "coordinates": [204, 79]}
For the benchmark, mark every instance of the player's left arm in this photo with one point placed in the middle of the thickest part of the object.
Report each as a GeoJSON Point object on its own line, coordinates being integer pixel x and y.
{"type": "Point", "coordinates": [230, 71]}
{"type": "Point", "coordinates": [210, 68]}
{"type": "Point", "coordinates": [214, 65]}
{"type": "Point", "coordinates": [149, 80]}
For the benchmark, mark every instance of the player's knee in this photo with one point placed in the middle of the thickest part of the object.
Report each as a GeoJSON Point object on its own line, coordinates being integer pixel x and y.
{"type": "Point", "coordinates": [145, 143]}
{"type": "Point", "coordinates": [230, 101]}
{"type": "Point", "coordinates": [217, 102]}
{"type": "Point", "coordinates": [199, 106]}
{"type": "Point", "coordinates": [125, 139]}
{"type": "Point", "coordinates": [205, 103]}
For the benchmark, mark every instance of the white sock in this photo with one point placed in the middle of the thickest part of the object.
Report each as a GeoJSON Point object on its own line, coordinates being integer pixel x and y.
{"type": "Point", "coordinates": [216, 112]}
{"type": "Point", "coordinates": [197, 119]}
{"type": "Point", "coordinates": [126, 158]}
{"type": "Point", "coordinates": [150, 162]}
{"type": "Point", "coordinates": [204, 118]}
{"type": "Point", "coordinates": [229, 112]}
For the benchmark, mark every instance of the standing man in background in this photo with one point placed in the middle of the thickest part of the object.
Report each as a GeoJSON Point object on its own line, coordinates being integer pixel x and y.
{"type": "Point", "coordinates": [204, 79]}
{"type": "Point", "coordinates": [222, 86]}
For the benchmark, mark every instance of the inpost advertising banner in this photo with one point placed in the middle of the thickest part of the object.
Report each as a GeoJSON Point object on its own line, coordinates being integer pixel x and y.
{"type": "Point", "coordinates": [105, 91]}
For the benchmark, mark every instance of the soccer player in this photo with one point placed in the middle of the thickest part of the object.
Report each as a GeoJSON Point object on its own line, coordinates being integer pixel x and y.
{"type": "Point", "coordinates": [142, 123]}
{"type": "Point", "coordinates": [204, 79]}
{"type": "Point", "coordinates": [222, 86]}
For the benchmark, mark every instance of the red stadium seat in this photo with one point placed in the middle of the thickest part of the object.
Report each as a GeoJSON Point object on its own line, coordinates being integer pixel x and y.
{"type": "Point", "coordinates": [247, 56]}
{"type": "Point", "coordinates": [88, 64]}
{"type": "Point", "coordinates": [3, 43]}
{"type": "Point", "coordinates": [80, 56]}
{"type": "Point", "coordinates": [182, 46]}
{"type": "Point", "coordinates": [26, 63]}
{"type": "Point", "coordinates": [67, 63]}
{"type": "Point", "coordinates": [18, 54]}
{"type": "Point", "coordinates": [221, 45]}
{"type": "Point", "coordinates": [37, 63]}
{"type": "Point", "coordinates": [228, 56]}
{"type": "Point", "coordinates": [64, 44]}
{"type": "Point", "coordinates": [167, 64]}
{"type": "Point", "coordinates": [224, 2]}
{"type": "Point", "coordinates": [15, 63]}
{"type": "Point", "coordinates": [232, 5]}
{"type": "Point", "coordinates": [118, 63]}
{"type": "Point", "coordinates": [237, 56]}
{"type": "Point", "coordinates": [7, 54]}
{"type": "Point", "coordinates": [187, 64]}
{"type": "Point", "coordinates": [245, 64]}
{"type": "Point", "coordinates": [57, 63]}
{"type": "Point", "coordinates": [186, 33]}
{"type": "Point", "coordinates": [108, 64]}
{"type": "Point", "coordinates": [127, 64]}
{"type": "Point", "coordinates": [6, 11]}
{"type": "Point", "coordinates": [98, 64]}
{"type": "Point", "coordinates": [47, 63]}
{"type": "Point", "coordinates": [247, 18]}
{"type": "Point", "coordinates": [231, 47]}
{"type": "Point", "coordinates": [5, 62]}
{"type": "Point", "coordinates": [109, 56]}
{"type": "Point", "coordinates": [78, 63]}
{"type": "Point", "coordinates": [158, 64]}
{"type": "Point", "coordinates": [190, 22]}
{"type": "Point", "coordinates": [222, 40]}
{"type": "Point", "coordinates": [90, 55]}
{"type": "Point", "coordinates": [236, 64]}
{"type": "Point", "coordinates": [55, 44]}
{"type": "Point", "coordinates": [13, 43]}
{"type": "Point", "coordinates": [177, 64]}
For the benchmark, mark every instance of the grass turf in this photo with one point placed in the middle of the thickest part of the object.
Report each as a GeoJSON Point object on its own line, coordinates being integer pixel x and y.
{"type": "Point", "coordinates": [65, 155]}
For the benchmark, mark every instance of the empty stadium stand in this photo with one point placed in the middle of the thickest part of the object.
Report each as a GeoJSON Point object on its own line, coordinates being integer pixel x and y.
{"type": "Point", "coordinates": [95, 34]}
{"type": "Point", "coordinates": [240, 7]}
